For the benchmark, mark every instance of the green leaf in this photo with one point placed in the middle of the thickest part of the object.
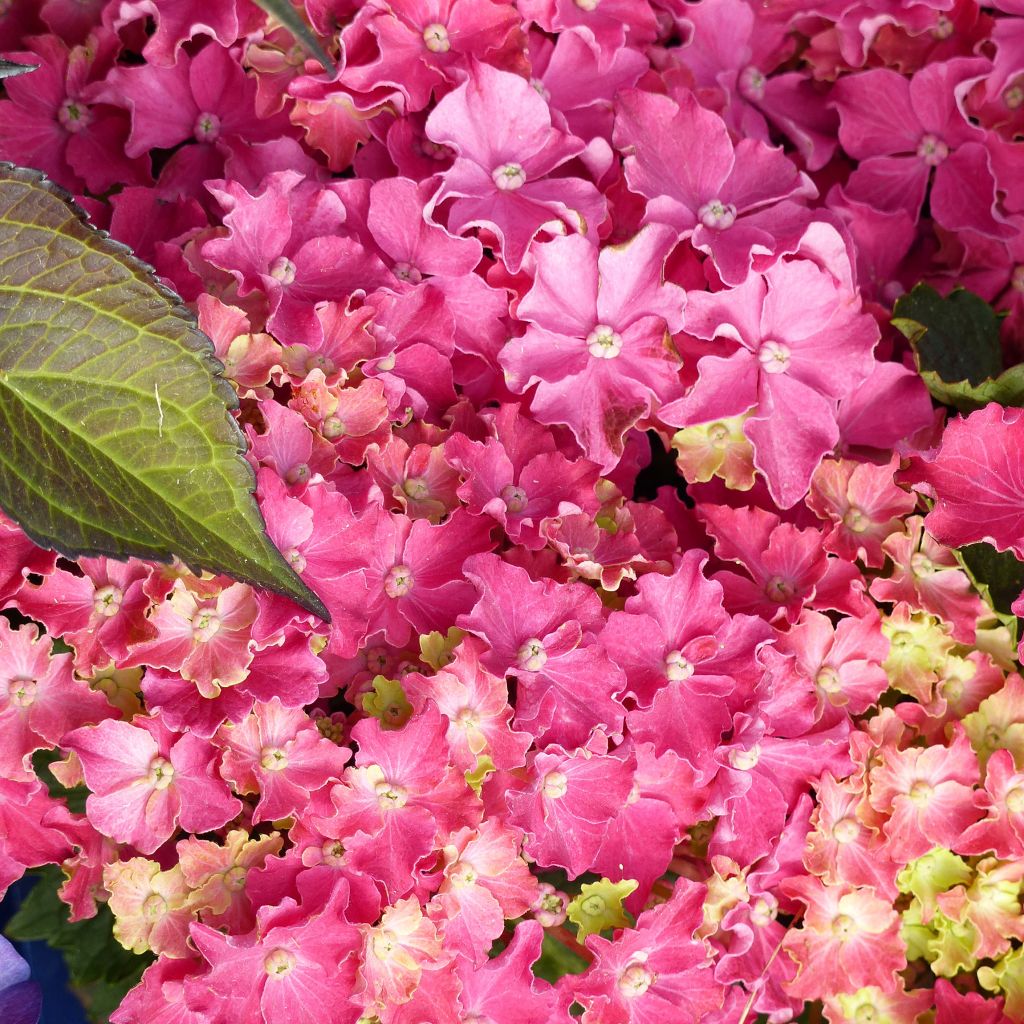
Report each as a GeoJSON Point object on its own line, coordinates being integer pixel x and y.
{"type": "Point", "coordinates": [292, 20]}
{"type": "Point", "coordinates": [999, 573]}
{"type": "Point", "coordinates": [557, 960]}
{"type": "Point", "coordinates": [92, 954]}
{"type": "Point", "coordinates": [117, 435]}
{"type": "Point", "coordinates": [9, 69]}
{"type": "Point", "coordinates": [75, 798]}
{"type": "Point", "coordinates": [957, 349]}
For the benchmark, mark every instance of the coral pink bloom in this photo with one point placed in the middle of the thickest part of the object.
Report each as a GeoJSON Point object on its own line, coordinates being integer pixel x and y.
{"type": "Point", "coordinates": [53, 121]}
{"type": "Point", "coordinates": [597, 346]}
{"type": "Point", "coordinates": [203, 632]}
{"type": "Point", "coordinates": [486, 882]}
{"type": "Point", "coordinates": [844, 662]}
{"type": "Point", "coordinates": [25, 842]}
{"type": "Point", "coordinates": [145, 780]}
{"type": "Point", "coordinates": [978, 478]}
{"type": "Point", "coordinates": [296, 966]}
{"type": "Point", "coordinates": [40, 700]}
{"type": "Point", "coordinates": [727, 199]}
{"type": "Point", "coordinates": [793, 343]}
{"type": "Point", "coordinates": [615, 26]}
{"type": "Point", "coordinates": [200, 100]}
{"type": "Point", "coordinates": [402, 795]}
{"type": "Point", "coordinates": [785, 563]}
{"type": "Point", "coordinates": [519, 478]}
{"type": "Point", "coordinates": [927, 576]}
{"type": "Point", "coordinates": [504, 989]}
{"type": "Point", "coordinates": [862, 503]}
{"type": "Point", "coordinates": [900, 129]}
{"type": "Point", "coordinates": [545, 634]}
{"type": "Point", "coordinates": [567, 805]}
{"type": "Point", "coordinates": [505, 145]}
{"type": "Point", "coordinates": [928, 794]}
{"type": "Point", "coordinates": [19, 557]}
{"type": "Point", "coordinates": [655, 972]}
{"type": "Point", "coordinates": [674, 630]}
{"type": "Point", "coordinates": [848, 939]}
{"type": "Point", "coordinates": [1001, 831]}
{"type": "Point", "coordinates": [99, 613]}
{"type": "Point", "coordinates": [279, 753]}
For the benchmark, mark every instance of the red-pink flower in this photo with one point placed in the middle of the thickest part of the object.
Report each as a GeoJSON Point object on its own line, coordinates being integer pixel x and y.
{"type": "Point", "coordinates": [145, 780]}
{"type": "Point", "coordinates": [596, 345]}
{"type": "Point", "coordinates": [505, 145]}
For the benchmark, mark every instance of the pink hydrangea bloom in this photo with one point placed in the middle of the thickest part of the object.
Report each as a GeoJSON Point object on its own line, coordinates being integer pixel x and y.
{"type": "Point", "coordinates": [596, 341]}
{"type": "Point", "coordinates": [793, 345]}
{"type": "Point", "coordinates": [506, 146]}
{"type": "Point", "coordinates": [657, 971]}
{"type": "Point", "coordinates": [40, 700]}
{"type": "Point", "coordinates": [279, 753]}
{"type": "Point", "coordinates": [725, 198]}
{"type": "Point", "coordinates": [146, 780]}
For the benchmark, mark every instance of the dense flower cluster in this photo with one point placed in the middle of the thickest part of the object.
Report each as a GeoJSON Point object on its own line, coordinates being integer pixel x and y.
{"type": "Point", "coordinates": [764, 745]}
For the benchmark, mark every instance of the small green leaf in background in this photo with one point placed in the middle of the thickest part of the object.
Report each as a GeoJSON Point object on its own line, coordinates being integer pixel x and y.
{"type": "Point", "coordinates": [557, 960]}
{"type": "Point", "coordinates": [292, 20]}
{"type": "Point", "coordinates": [9, 69]}
{"type": "Point", "coordinates": [998, 573]}
{"type": "Point", "coordinates": [117, 439]}
{"type": "Point", "coordinates": [100, 968]}
{"type": "Point", "coordinates": [956, 344]}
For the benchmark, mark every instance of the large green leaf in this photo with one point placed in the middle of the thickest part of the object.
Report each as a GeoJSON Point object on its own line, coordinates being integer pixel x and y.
{"type": "Point", "coordinates": [956, 344]}
{"type": "Point", "coordinates": [117, 439]}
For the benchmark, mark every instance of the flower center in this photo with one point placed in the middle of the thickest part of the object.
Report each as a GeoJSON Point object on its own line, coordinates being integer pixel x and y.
{"type": "Point", "coordinates": [416, 488]}
{"type": "Point", "coordinates": [161, 773]}
{"type": "Point", "coordinates": [23, 692]}
{"type": "Point", "coordinates": [436, 38]}
{"type": "Point", "coordinates": [744, 760]}
{"type": "Point", "coordinates": [920, 793]}
{"type": "Point", "coordinates": [588, 5]}
{"type": "Point", "coordinates": [555, 785]}
{"type": "Point", "coordinates": [1017, 278]}
{"type": "Point", "coordinates": [716, 214]}
{"type": "Point", "coordinates": [389, 796]}
{"type": "Point", "coordinates": [299, 474]}
{"type": "Point", "coordinates": [718, 436]}
{"type": "Point", "coordinates": [921, 564]}
{"type": "Point", "coordinates": [845, 830]}
{"type": "Point", "coordinates": [406, 272]}
{"type": "Point", "coordinates": [1013, 94]}
{"type": "Point", "coordinates": [932, 150]}
{"type": "Point", "coordinates": [296, 559]}
{"type": "Point", "coordinates": [333, 852]}
{"type": "Point", "coordinates": [398, 581]}
{"type": "Point", "coordinates": [603, 342]}
{"type": "Point", "coordinates": [774, 356]}
{"type": "Point", "coordinates": [1015, 800]}
{"type": "Point", "coordinates": [106, 601]}
{"type": "Point", "coordinates": [855, 520]}
{"type": "Point", "coordinates": [779, 590]}
{"type": "Point", "coordinates": [74, 116]}
{"type": "Point", "coordinates": [205, 626]}
{"type": "Point", "coordinates": [531, 656]}
{"type": "Point", "coordinates": [283, 270]}
{"type": "Point", "coordinates": [273, 759]}
{"type": "Point", "coordinates": [677, 668]}
{"type": "Point", "coordinates": [207, 127]}
{"type": "Point", "coordinates": [514, 497]}
{"type": "Point", "coordinates": [827, 680]}
{"type": "Point", "coordinates": [509, 177]}
{"type": "Point", "coordinates": [154, 906]}
{"type": "Point", "coordinates": [843, 925]}
{"type": "Point", "coordinates": [234, 878]}
{"type": "Point", "coordinates": [752, 83]}
{"type": "Point", "coordinates": [635, 980]}
{"type": "Point", "coordinates": [278, 963]}
{"type": "Point", "coordinates": [943, 28]}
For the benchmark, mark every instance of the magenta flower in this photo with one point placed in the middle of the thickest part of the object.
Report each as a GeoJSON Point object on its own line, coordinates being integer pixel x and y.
{"type": "Point", "coordinates": [146, 780]}
{"type": "Point", "coordinates": [902, 129]}
{"type": "Point", "coordinates": [546, 636]}
{"type": "Point", "coordinates": [596, 344]}
{"type": "Point", "coordinates": [725, 198]}
{"type": "Point", "coordinates": [505, 145]}
{"type": "Point", "coordinates": [794, 345]}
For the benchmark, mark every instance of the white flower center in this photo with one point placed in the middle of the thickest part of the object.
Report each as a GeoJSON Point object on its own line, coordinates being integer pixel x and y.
{"type": "Point", "coordinates": [207, 127]}
{"type": "Point", "coordinates": [74, 116]}
{"type": "Point", "coordinates": [752, 83]}
{"type": "Point", "coordinates": [531, 656]}
{"type": "Point", "coordinates": [106, 601]}
{"type": "Point", "coordinates": [603, 342]}
{"type": "Point", "coordinates": [677, 668]}
{"type": "Point", "coordinates": [635, 980]}
{"type": "Point", "coordinates": [555, 785]}
{"type": "Point", "coordinates": [509, 177]}
{"type": "Point", "coordinates": [283, 270]}
{"type": "Point", "coordinates": [744, 760]}
{"type": "Point", "coordinates": [23, 692]}
{"type": "Point", "coordinates": [514, 497]}
{"type": "Point", "coordinates": [774, 356]}
{"type": "Point", "coordinates": [406, 272]}
{"type": "Point", "coordinates": [278, 963]}
{"type": "Point", "coordinates": [205, 626]}
{"type": "Point", "coordinates": [273, 759]}
{"type": "Point", "coordinates": [716, 214]}
{"type": "Point", "coordinates": [389, 796]}
{"type": "Point", "coordinates": [436, 38]}
{"type": "Point", "coordinates": [932, 150]}
{"type": "Point", "coordinates": [161, 773]}
{"type": "Point", "coordinates": [398, 581]}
